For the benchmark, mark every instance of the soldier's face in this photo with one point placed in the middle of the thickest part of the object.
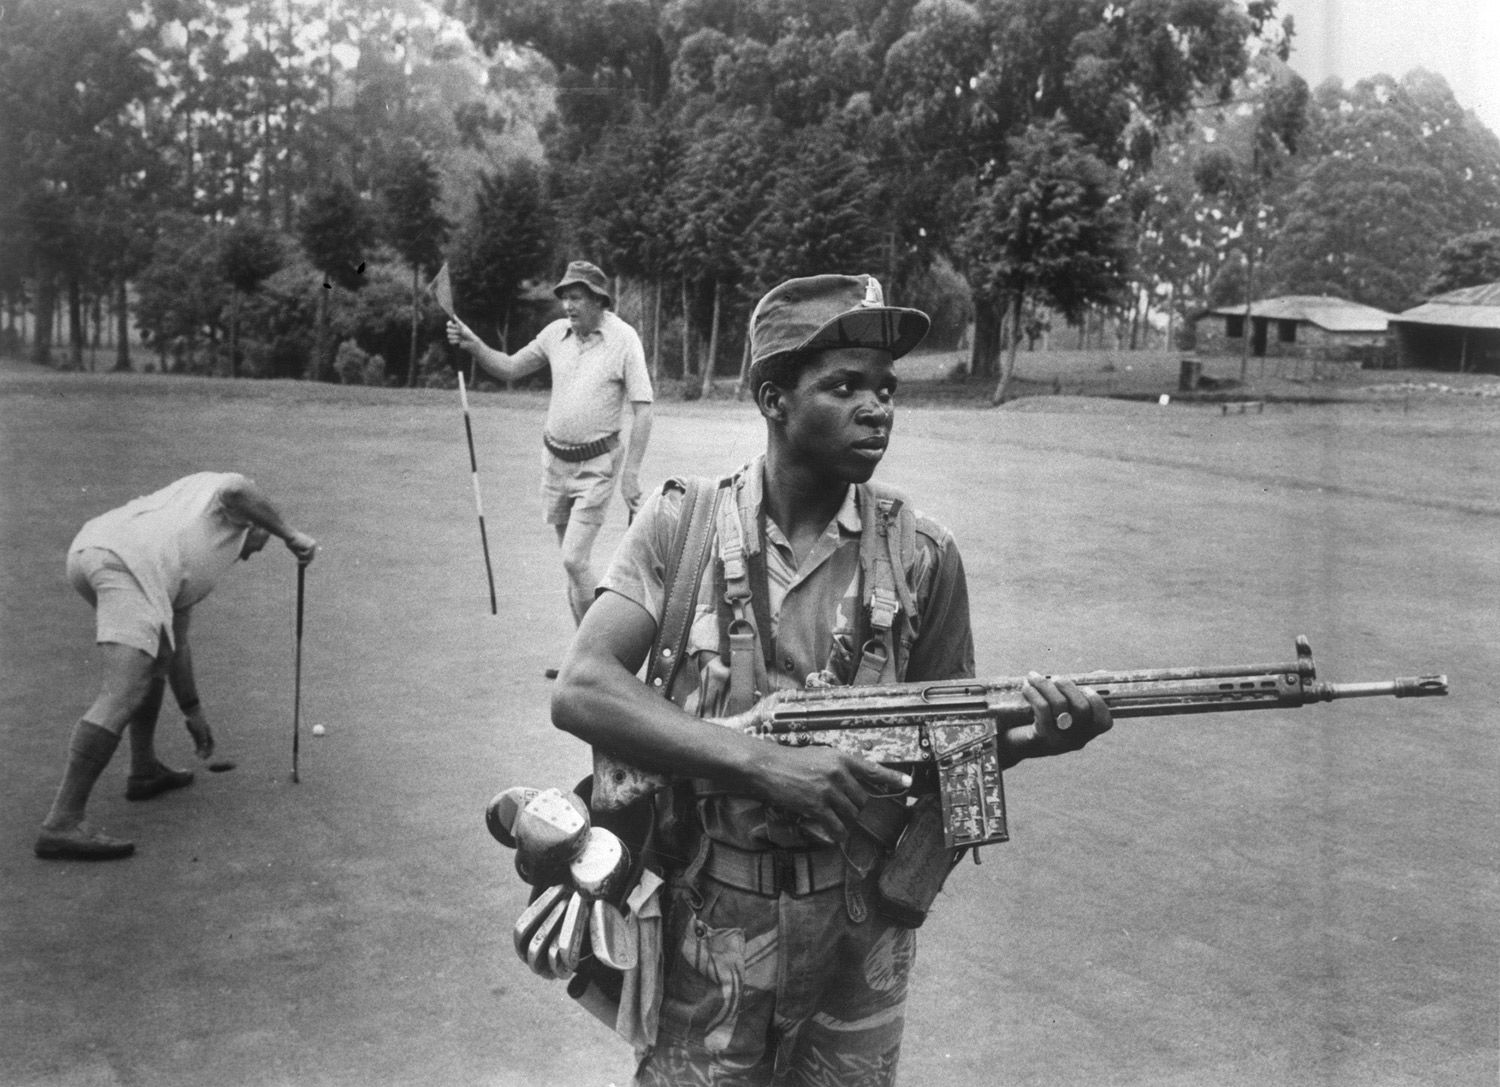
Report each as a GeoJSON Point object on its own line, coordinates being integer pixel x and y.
{"type": "Point", "coordinates": [838, 417]}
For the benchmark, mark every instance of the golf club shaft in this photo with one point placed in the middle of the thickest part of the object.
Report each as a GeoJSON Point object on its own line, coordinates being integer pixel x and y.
{"type": "Point", "coordinates": [297, 672]}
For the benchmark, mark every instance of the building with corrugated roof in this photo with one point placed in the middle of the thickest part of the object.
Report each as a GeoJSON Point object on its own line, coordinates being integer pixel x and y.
{"type": "Point", "coordinates": [1320, 328]}
{"type": "Point", "coordinates": [1459, 331]}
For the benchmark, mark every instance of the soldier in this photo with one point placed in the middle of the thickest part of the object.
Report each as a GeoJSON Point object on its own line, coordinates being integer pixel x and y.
{"type": "Point", "coordinates": [776, 963]}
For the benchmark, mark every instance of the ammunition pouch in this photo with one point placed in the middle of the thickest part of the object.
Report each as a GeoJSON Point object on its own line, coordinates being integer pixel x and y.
{"type": "Point", "coordinates": [914, 872]}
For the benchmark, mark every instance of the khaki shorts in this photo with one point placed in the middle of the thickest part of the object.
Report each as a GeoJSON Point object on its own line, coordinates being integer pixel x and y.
{"type": "Point", "coordinates": [579, 490]}
{"type": "Point", "coordinates": [122, 613]}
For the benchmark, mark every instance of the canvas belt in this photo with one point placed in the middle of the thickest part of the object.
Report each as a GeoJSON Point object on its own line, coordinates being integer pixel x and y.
{"type": "Point", "coordinates": [769, 872]}
{"type": "Point", "coordinates": [799, 872]}
{"type": "Point", "coordinates": [586, 451]}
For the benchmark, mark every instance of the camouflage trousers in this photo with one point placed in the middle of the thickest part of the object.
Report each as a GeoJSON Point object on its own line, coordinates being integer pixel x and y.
{"type": "Point", "coordinates": [785, 990]}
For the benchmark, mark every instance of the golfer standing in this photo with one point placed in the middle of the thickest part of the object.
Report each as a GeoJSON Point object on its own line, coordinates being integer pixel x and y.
{"type": "Point", "coordinates": [143, 567]}
{"type": "Point", "coordinates": [598, 366]}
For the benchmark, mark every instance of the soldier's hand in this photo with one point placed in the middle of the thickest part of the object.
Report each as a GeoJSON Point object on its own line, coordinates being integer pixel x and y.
{"type": "Point", "coordinates": [824, 787]}
{"type": "Point", "coordinates": [1065, 715]}
{"type": "Point", "coordinates": [203, 736]}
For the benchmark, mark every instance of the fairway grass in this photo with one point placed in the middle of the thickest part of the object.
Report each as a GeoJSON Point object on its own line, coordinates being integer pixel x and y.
{"type": "Point", "coordinates": [1301, 898]}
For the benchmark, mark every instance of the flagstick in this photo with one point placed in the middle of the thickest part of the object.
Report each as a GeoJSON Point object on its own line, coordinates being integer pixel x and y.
{"type": "Point", "coordinates": [484, 539]}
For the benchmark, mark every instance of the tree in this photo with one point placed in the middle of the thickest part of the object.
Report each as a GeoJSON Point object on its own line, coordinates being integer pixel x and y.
{"type": "Point", "coordinates": [181, 291]}
{"type": "Point", "coordinates": [506, 240]}
{"type": "Point", "coordinates": [415, 228]}
{"type": "Point", "coordinates": [251, 254]}
{"type": "Point", "coordinates": [1252, 155]}
{"type": "Point", "coordinates": [965, 79]}
{"type": "Point", "coordinates": [1392, 170]}
{"type": "Point", "coordinates": [336, 232]}
{"type": "Point", "coordinates": [68, 79]}
{"type": "Point", "coordinates": [1470, 260]}
{"type": "Point", "coordinates": [721, 192]}
{"type": "Point", "coordinates": [1051, 227]}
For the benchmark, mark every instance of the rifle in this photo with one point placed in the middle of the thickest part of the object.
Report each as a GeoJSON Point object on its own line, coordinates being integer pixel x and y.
{"type": "Point", "coordinates": [957, 728]}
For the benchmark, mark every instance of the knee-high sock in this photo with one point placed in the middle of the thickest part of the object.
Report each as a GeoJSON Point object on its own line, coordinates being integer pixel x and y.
{"type": "Point", "coordinates": [143, 760]}
{"type": "Point", "coordinates": [88, 755]}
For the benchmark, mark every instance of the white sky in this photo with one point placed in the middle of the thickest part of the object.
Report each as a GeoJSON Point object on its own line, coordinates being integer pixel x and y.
{"type": "Point", "coordinates": [1352, 39]}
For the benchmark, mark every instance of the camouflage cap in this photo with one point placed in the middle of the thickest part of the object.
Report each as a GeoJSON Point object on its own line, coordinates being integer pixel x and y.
{"type": "Point", "coordinates": [587, 275]}
{"type": "Point", "coordinates": [832, 311]}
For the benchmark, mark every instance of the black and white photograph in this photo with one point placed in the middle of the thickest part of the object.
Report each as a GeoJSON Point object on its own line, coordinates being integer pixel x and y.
{"type": "Point", "coordinates": [749, 543]}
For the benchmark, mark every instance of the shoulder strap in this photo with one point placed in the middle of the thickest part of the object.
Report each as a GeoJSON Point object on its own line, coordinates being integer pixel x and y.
{"type": "Point", "coordinates": [616, 784]}
{"type": "Point", "coordinates": [887, 553]}
{"type": "Point", "coordinates": [684, 572]}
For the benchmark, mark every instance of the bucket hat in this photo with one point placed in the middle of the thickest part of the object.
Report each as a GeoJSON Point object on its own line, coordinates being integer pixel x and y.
{"type": "Point", "coordinates": [587, 275]}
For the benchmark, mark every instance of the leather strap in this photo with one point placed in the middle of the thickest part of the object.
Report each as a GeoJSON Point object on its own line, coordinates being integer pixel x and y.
{"type": "Point", "coordinates": [575, 454]}
{"type": "Point", "coordinates": [684, 571]}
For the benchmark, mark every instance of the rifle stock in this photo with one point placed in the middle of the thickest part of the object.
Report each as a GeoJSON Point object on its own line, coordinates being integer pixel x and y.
{"type": "Point", "coordinates": [959, 726]}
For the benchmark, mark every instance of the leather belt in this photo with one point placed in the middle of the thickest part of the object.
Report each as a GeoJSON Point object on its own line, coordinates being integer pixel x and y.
{"type": "Point", "coordinates": [586, 451]}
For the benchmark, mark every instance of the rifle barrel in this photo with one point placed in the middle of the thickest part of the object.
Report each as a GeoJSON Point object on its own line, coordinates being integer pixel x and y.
{"type": "Point", "coordinates": [1405, 687]}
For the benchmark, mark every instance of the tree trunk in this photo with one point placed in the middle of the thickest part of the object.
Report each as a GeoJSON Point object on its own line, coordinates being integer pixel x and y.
{"type": "Point", "coordinates": [687, 333]}
{"type": "Point", "coordinates": [1011, 318]}
{"type": "Point", "coordinates": [1171, 344]}
{"type": "Point", "coordinates": [744, 382]}
{"type": "Point", "coordinates": [76, 333]}
{"type": "Point", "coordinates": [1249, 300]}
{"type": "Point", "coordinates": [122, 328]}
{"type": "Point", "coordinates": [656, 337]}
{"type": "Point", "coordinates": [984, 352]}
{"type": "Point", "coordinates": [234, 332]}
{"type": "Point", "coordinates": [314, 370]}
{"type": "Point", "coordinates": [713, 347]}
{"type": "Point", "coordinates": [416, 299]}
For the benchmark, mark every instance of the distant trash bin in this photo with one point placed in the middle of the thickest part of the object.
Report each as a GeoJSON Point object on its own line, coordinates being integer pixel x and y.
{"type": "Point", "coordinates": [1189, 375]}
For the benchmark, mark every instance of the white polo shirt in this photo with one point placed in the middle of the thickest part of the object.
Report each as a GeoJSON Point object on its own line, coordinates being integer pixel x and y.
{"type": "Point", "coordinates": [592, 377]}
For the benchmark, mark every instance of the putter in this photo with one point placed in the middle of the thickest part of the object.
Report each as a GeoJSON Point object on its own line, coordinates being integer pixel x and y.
{"type": "Point", "coordinates": [297, 681]}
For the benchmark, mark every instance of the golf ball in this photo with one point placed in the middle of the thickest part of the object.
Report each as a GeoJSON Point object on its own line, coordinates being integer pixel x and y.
{"type": "Point", "coordinates": [318, 730]}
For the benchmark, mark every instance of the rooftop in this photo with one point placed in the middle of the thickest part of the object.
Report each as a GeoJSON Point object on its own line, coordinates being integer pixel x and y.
{"type": "Point", "coordinates": [1325, 311]}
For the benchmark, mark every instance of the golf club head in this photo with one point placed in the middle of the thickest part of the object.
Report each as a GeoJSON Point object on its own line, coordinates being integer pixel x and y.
{"type": "Point", "coordinates": [550, 830]}
{"type": "Point", "coordinates": [532, 917]}
{"type": "Point", "coordinates": [612, 936]}
{"type": "Point", "coordinates": [500, 813]}
{"type": "Point", "coordinates": [602, 866]}
{"type": "Point", "coordinates": [543, 939]}
{"type": "Point", "coordinates": [572, 938]}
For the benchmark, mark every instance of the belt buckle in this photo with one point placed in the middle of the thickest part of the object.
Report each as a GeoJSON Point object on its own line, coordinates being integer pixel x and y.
{"type": "Point", "coordinates": [783, 872]}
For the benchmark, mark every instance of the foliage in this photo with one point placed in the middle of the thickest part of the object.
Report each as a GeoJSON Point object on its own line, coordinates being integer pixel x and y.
{"type": "Point", "coordinates": [1050, 228]}
{"type": "Point", "coordinates": [337, 231]}
{"type": "Point", "coordinates": [1469, 260]}
{"type": "Point", "coordinates": [1396, 169]}
{"type": "Point", "coordinates": [356, 366]}
{"type": "Point", "coordinates": [251, 253]}
{"type": "Point", "coordinates": [411, 218]}
{"type": "Point", "coordinates": [180, 293]}
{"type": "Point", "coordinates": [506, 241]}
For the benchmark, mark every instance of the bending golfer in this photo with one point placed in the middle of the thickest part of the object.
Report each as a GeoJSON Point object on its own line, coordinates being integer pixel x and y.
{"type": "Point", "coordinates": [597, 367]}
{"type": "Point", "coordinates": [142, 567]}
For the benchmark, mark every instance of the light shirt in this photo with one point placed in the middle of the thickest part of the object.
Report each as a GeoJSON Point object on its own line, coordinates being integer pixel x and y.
{"type": "Point", "coordinates": [815, 608]}
{"type": "Point", "coordinates": [592, 377]}
{"type": "Point", "coordinates": [176, 542]}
